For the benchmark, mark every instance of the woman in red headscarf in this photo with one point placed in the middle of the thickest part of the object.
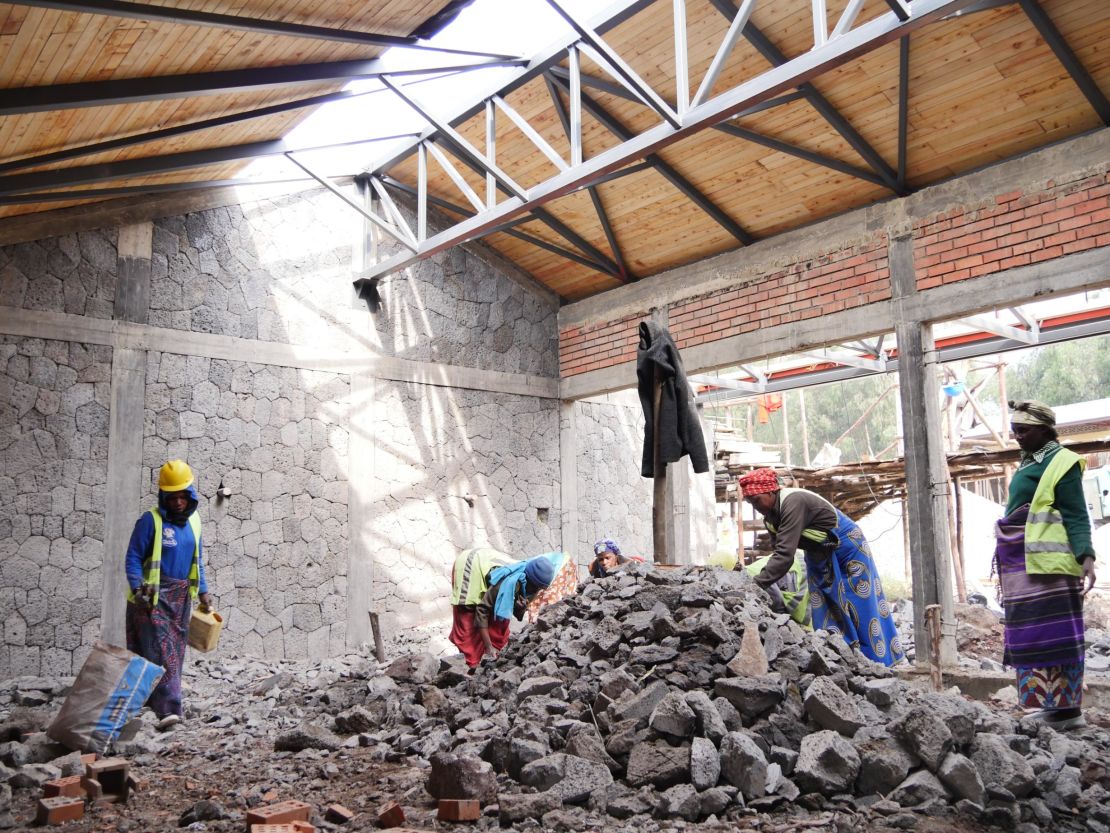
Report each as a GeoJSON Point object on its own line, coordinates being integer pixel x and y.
{"type": "Point", "coordinates": [845, 594]}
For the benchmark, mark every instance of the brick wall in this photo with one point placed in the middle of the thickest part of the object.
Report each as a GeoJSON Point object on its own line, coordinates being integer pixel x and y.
{"type": "Point", "coordinates": [1012, 229]}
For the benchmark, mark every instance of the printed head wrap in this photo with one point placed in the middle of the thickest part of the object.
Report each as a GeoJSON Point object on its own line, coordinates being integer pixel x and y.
{"type": "Point", "coordinates": [759, 482]}
{"type": "Point", "coordinates": [1031, 412]}
{"type": "Point", "coordinates": [607, 545]}
{"type": "Point", "coordinates": [539, 571]}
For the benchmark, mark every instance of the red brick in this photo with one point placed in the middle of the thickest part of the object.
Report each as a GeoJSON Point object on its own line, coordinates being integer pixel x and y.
{"type": "Point", "coordinates": [280, 813]}
{"type": "Point", "coordinates": [275, 828]}
{"type": "Point", "coordinates": [391, 816]}
{"type": "Point", "coordinates": [59, 810]}
{"type": "Point", "coordinates": [451, 810]}
{"type": "Point", "coordinates": [303, 827]}
{"type": "Point", "coordinates": [338, 814]}
{"type": "Point", "coordinates": [68, 787]}
{"type": "Point", "coordinates": [112, 776]}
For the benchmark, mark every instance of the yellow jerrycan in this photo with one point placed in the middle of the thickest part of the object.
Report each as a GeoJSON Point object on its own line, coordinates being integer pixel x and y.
{"type": "Point", "coordinates": [204, 629]}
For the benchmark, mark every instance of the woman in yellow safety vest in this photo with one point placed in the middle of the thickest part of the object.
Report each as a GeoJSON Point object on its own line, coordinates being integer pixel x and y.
{"type": "Point", "coordinates": [1046, 565]}
{"type": "Point", "coordinates": [165, 574]}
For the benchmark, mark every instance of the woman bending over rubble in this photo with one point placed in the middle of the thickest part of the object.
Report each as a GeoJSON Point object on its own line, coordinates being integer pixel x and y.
{"type": "Point", "coordinates": [487, 587]}
{"type": "Point", "coordinates": [1046, 565]}
{"type": "Point", "coordinates": [165, 573]}
{"type": "Point", "coordinates": [845, 594]}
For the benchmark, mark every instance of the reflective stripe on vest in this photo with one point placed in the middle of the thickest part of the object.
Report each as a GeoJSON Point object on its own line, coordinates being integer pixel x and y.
{"type": "Point", "coordinates": [152, 569]}
{"type": "Point", "coordinates": [817, 535]}
{"type": "Point", "coordinates": [1047, 550]}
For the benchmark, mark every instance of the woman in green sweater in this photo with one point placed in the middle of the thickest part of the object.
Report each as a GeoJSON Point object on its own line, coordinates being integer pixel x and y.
{"type": "Point", "coordinates": [1046, 565]}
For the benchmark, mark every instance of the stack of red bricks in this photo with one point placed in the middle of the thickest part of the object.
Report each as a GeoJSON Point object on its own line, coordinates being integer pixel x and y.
{"type": "Point", "coordinates": [104, 782]}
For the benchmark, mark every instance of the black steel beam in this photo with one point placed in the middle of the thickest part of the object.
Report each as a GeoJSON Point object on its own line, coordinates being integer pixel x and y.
{"type": "Point", "coordinates": [1068, 58]}
{"type": "Point", "coordinates": [822, 105]}
{"type": "Point", "coordinates": [801, 153]}
{"type": "Point", "coordinates": [172, 14]}
{"type": "Point", "coordinates": [676, 179]}
{"type": "Point", "coordinates": [595, 197]}
{"type": "Point", "coordinates": [542, 214]}
{"type": "Point", "coordinates": [135, 190]}
{"type": "Point", "coordinates": [147, 166]}
{"type": "Point", "coordinates": [899, 10]}
{"type": "Point", "coordinates": [903, 108]}
{"type": "Point", "coordinates": [128, 90]}
{"type": "Point", "coordinates": [520, 235]}
{"type": "Point", "coordinates": [178, 130]}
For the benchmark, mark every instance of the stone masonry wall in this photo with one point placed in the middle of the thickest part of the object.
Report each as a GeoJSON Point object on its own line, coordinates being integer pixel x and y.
{"type": "Point", "coordinates": [436, 451]}
{"type": "Point", "coordinates": [75, 273]}
{"type": "Point", "coordinates": [54, 399]}
{"type": "Point", "coordinates": [614, 501]}
{"type": "Point", "coordinates": [276, 271]}
{"type": "Point", "coordinates": [276, 550]}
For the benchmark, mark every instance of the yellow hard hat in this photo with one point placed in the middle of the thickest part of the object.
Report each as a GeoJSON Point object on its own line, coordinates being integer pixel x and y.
{"type": "Point", "coordinates": [175, 476]}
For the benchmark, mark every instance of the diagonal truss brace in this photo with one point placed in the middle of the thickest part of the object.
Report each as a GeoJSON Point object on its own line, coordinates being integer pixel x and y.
{"type": "Point", "coordinates": [1030, 335]}
{"type": "Point", "coordinates": [783, 78]}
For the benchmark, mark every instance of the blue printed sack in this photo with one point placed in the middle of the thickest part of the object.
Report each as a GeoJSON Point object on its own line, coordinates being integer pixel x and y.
{"type": "Point", "coordinates": [111, 688]}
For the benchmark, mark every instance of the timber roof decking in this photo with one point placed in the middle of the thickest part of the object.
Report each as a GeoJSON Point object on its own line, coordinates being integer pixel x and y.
{"type": "Point", "coordinates": [940, 94]}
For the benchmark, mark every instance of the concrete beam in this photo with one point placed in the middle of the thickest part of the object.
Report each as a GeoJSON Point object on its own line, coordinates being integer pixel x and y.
{"type": "Point", "coordinates": [134, 246]}
{"type": "Point", "coordinates": [124, 490]}
{"type": "Point", "coordinates": [122, 334]}
{"type": "Point", "coordinates": [568, 477]}
{"type": "Point", "coordinates": [360, 550]}
{"type": "Point", "coordinates": [1067, 275]}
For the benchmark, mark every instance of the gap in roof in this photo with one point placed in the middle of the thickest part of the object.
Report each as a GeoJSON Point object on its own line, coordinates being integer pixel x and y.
{"type": "Point", "coordinates": [519, 27]}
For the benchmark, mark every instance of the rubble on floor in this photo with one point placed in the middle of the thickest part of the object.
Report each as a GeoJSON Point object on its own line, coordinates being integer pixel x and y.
{"type": "Point", "coordinates": [629, 706]}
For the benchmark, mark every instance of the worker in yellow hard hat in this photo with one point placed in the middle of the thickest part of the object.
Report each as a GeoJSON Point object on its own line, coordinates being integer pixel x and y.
{"type": "Point", "coordinates": [165, 575]}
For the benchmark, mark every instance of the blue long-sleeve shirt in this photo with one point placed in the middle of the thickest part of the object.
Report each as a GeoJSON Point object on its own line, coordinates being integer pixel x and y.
{"type": "Point", "coordinates": [177, 548]}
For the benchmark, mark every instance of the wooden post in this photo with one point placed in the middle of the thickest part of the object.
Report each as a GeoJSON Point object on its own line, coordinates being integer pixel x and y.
{"type": "Point", "coordinates": [961, 587]}
{"type": "Point", "coordinates": [954, 522]}
{"type": "Point", "coordinates": [659, 473]}
{"type": "Point", "coordinates": [379, 646]}
{"type": "Point", "coordinates": [739, 526]}
{"type": "Point", "coordinates": [1003, 402]}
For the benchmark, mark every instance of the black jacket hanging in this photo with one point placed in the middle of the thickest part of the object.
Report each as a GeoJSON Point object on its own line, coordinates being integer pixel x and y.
{"type": "Point", "coordinates": [679, 427]}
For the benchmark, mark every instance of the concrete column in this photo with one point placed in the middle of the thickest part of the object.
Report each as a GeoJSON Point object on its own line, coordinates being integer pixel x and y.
{"type": "Point", "coordinates": [568, 479]}
{"type": "Point", "coordinates": [360, 558]}
{"type": "Point", "coordinates": [926, 463]}
{"type": "Point", "coordinates": [124, 489]}
{"type": "Point", "coordinates": [134, 247]}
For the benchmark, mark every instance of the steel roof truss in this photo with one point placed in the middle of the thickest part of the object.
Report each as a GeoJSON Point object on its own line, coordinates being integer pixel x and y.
{"type": "Point", "coordinates": [456, 138]}
{"type": "Point", "coordinates": [506, 229]}
{"type": "Point", "coordinates": [986, 323]}
{"type": "Point", "coordinates": [607, 58]}
{"type": "Point", "coordinates": [456, 177]}
{"type": "Point", "coordinates": [877, 365]}
{"type": "Point", "coordinates": [681, 59]}
{"type": "Point", "coordinates": [532, 134]}
{"type": "Point", "coordinates": [735, 29]}
{"type": "Point", "coordinates": [595, 197]}
{"type": "Point", "coordinates": [789, 75]}
{"type": "Point", "coordinates": [391, 208]}
{"type": "Point", "coordinates": [365, 212]}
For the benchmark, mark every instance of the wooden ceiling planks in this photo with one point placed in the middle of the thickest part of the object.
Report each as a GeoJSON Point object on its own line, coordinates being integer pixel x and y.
{"type": "Point", "coordinates": [41, 47]}
{"type": "Point", "coordinates": [983, 87]}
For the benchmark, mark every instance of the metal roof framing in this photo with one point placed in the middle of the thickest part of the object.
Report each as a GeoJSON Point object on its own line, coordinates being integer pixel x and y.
{"type": "Point", "coordinates": [17, 100]}
{"type": "Point", "coordinates": [190, 17]}
{"type": "Point", "coordinates": [1067, 57]}
{"type": "Point", "coordinates": [830, 50]}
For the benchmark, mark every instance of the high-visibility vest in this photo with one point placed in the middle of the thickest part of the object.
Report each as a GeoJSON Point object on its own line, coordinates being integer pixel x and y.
{"type": "Point", "coordinates": [817, 535]}
{"type": "Point", "coordinates": [469, 579]}
{"type": "Point", "coordinates": [152, 567]}
{"type": "Point", "coordinates": [1047, 550]}
{"type": "Point", "coordinates": [793, 587]}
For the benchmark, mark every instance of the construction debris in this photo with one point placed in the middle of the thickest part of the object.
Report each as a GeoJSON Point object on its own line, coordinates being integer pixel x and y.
{"type": "Point", "coordinates": [616, 710]}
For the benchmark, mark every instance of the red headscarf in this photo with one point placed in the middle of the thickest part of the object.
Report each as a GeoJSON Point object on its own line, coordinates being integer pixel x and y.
{"type": "Point", "coordinates": [759, 482]}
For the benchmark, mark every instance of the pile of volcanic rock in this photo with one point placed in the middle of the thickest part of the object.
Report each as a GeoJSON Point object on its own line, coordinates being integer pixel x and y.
{"type": "Point", "coordinates": [642, 695]}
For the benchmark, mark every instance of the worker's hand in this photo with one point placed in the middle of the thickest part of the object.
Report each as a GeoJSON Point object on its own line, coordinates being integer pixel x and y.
{"type": "Point", "coordinates": [205, 602]}
{"type": "Point", "coordinates": [1088, 574]}
{"type": "Point", "coordinates": [146, 596]}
